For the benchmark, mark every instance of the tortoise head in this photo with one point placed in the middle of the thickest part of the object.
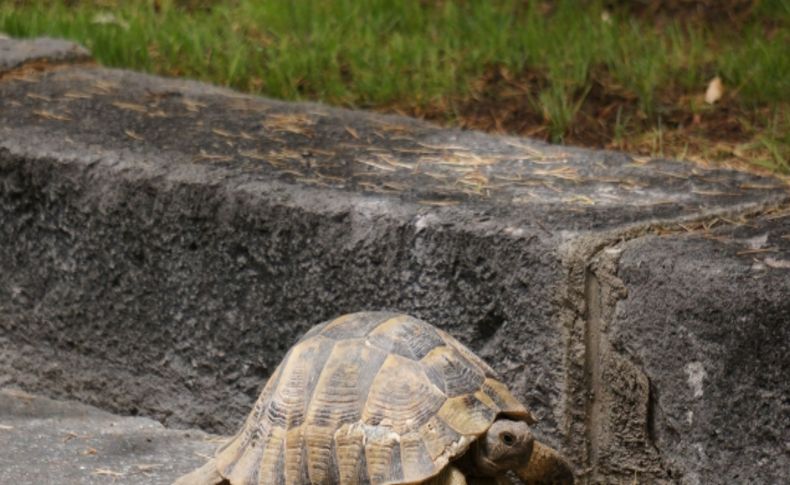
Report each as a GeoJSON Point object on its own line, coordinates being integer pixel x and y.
{"type": "Point", "coordinates": [507, 445]}
{"type": "Point", "coordinates": [510, 445]}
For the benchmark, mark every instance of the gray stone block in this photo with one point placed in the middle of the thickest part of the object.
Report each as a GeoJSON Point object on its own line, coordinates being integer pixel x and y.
{"type": "Point", "coordinates": [694, 359]}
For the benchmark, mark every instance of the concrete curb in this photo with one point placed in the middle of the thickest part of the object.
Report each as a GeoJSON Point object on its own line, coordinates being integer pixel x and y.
{"type": "Point", "coordinates": [166, 241]}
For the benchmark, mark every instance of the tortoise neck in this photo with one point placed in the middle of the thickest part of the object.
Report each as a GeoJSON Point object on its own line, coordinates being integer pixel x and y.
{"type": "Point", "coordinates": [472, 463]}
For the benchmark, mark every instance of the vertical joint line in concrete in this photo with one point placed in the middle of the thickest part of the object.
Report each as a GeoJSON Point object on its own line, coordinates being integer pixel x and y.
{"type": "Point", "coordinates": [592, 365]}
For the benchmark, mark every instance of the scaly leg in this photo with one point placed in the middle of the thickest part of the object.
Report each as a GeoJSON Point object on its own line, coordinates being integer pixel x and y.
{"type": "Point", "coordinates": [546, 466]}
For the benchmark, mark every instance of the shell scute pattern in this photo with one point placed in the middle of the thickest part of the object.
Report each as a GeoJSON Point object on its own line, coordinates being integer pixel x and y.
{"type": "Point", "coordinates": [343, 383]}
{"type": "Point", "coordinates": [401, 397]}
{"type": "Point", "coordinates": [355, 325]}
{"type": "Point", "coordinates": [405, 336]}
{"type": "Point", "coordinates": [437, 434]}
{"type": "Point", "coordinates": [229, 456]}
{"type": "Point", "coordinates": [450, 341]}
{"type": "Point", "coordinates": [416, 460]}
{"type": "Point", "coordinates": [452, 372]}
{"type": "Point", "coordinates": [506, 402]}
{"type": "Point", "coordinates": [349, 442]}
{"type": "Point", "coordinates": [382, 451]}
{"type": "Point", "coordinates": [467, 415]}
{"type": "Point", "coordinates": [367, 398]}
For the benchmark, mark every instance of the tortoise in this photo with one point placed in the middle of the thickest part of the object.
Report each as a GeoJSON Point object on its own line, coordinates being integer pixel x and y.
{"type": "Point", "coordinates": [383, 398]}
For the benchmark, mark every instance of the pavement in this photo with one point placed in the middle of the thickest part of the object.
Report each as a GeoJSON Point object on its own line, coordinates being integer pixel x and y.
{"type": "Point", "coordinates": [165, 241]}
{"type": "Point", "coordinates": [52, 441]}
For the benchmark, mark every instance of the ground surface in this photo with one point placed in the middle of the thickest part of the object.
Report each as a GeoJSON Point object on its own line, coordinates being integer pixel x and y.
{"type": "Point", "coordinates": [69, 443]}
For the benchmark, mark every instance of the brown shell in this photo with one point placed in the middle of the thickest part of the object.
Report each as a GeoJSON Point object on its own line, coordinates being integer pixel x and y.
{"type": "Point", "coordinates": [367, 398]}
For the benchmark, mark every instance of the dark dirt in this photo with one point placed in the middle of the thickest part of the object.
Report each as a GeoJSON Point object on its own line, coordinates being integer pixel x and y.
{"type": "Point", "coordinates": [505, 102]}
{"type": "Point", "coordinates": [679, 125]}
{"type": "Point", "coordinates": [733, 13]}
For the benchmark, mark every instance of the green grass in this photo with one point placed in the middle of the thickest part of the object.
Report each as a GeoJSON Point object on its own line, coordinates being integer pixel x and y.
{"type": "Point", "coordinates": [413, 54]}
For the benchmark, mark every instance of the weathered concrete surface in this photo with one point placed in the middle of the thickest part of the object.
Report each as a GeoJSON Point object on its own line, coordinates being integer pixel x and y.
{"type": "Point", "coordinates": [164, 242]}
{"type": "Point", "coordinates": [39, 52]}
{"type": "Point", "coordinates": [45, 441]}
{"type": "Point", "coordinates": [702, 340]}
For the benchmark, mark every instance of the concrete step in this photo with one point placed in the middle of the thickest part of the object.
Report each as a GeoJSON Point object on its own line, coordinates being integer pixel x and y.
{"type": "Point", "coordinates": [165, 241]}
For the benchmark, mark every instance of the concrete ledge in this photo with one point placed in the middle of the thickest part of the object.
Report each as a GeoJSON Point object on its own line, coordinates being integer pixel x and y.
{"type": "Point", "coordinates": [164, 242]}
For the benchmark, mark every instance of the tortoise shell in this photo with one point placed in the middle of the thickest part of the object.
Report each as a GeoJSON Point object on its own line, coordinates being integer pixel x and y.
{"type": "Point", "coordinates": [367, 398]}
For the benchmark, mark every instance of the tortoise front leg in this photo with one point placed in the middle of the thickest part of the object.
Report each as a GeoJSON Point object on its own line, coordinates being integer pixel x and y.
{"type": "Point", "coordinates": [546, 465]}
{"type": "Point", "coordinates": [449, 476]}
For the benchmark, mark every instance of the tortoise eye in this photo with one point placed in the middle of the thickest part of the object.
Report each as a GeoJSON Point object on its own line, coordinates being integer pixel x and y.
{"type": "Point", "coordinates": [507, 438]}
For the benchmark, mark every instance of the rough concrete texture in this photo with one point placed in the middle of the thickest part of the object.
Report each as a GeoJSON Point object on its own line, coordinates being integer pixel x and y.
{"type": "Point", "coordinates": [38, 52]}
{"type": "Point", "coordinates": [164, 242]}
{"type": "Point", "coordinates": [704, 339]}
{"type": "Point", "coordinates": [44, 441]}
